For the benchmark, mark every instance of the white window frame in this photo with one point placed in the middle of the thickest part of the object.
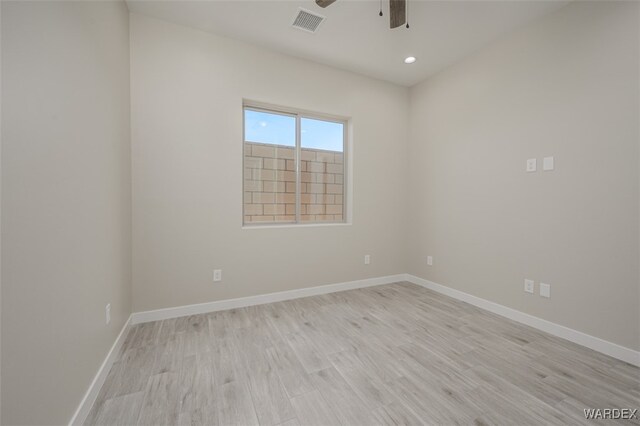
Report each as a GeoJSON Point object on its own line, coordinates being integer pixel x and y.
{"type": "Point", "coordinates": [299, 114]}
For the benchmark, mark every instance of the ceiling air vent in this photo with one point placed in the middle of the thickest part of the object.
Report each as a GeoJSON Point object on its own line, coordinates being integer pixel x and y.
{"type": "Point", "coordinates": [307, 21]}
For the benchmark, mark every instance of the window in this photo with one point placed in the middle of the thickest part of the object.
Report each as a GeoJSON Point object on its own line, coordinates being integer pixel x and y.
{"type": "Point", "coordinates": [294, 167]}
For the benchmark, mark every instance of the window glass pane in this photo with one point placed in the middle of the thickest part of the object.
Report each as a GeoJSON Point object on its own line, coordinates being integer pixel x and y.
{"type": "Point", "coordinates": [267, 128]}
{"type": "Point", "coordinates": [269, 168]}
{"type": "Point", "coordinates": [319, 134]}
{"type": "Point", "coordinates": [322, 171]}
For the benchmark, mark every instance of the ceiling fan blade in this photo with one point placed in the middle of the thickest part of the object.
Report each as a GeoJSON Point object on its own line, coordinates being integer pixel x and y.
{"type": "Point", "coordinates": [324, 3]}
{"type": "Point", "coordinates": [398, 12]}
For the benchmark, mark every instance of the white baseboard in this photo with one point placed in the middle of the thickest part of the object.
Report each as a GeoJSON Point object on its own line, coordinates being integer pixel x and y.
{"type": "Point", "coordinates": [92, 393]}
{"type": "Point", "coordinates": [221, 305]}
{"type": "Point", "coordinates": [608, 348]}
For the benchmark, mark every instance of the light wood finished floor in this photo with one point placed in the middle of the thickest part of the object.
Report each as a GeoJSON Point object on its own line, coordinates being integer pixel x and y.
{"type": "Point", "coordinates": [392, 354]}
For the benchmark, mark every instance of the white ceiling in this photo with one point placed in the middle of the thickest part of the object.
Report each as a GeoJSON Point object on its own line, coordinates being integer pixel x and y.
{"type": "Point", "coordinates": [354, 37]}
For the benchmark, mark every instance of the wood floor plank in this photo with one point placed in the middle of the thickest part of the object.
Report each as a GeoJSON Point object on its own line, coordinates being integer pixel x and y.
{"type": "Point", "coordinates": [201, 416]}
{"type": "Point", "coordinates": [235, 406]}
{"type": "Point", "coordinates": [270, 400]}
{"type": "Point", "coordinates": [366, 384]}
{"type": "Point", "coordinates": [312, 410]}
{"type": "Point", "coordinates": [147, 333]}
{"type": "Point", "coordinates": [292, 374]}
{"type": "Point", "coordinates": [224, 357]}
{"type": "Point", "coordinates": [527, 406]}
{"type": "Point", "coordinates": [429, 404]}
{"type": "Point", "coordinates": [393, 414]}
{"type": "Point", "coordinates": [131, 373]}
{"type": "Point", "coordinates": [574, 410]}
{"type": "Point", "coordinates": [167, 330]}
{"type": "Point", "coordinates": [168, 355]}
{"type": "Point", "coordinates": [291, 422]}
{"type": "Point", "coordinates": [121, 410]}
{"type": "Point", "coordinates": [160, 404]}
{"type": "Point", "coordinates": [341, 398]}
{"type": "Point", "coordinates": [393, 354]}
{"type": "Point", "coordinates": [307, 352]}
{"type": "Point", "coordinates": [196, 385]}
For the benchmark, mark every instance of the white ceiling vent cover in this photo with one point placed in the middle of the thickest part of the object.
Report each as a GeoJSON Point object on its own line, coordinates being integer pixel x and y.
{"type": "Point", "coordinates": [307, 21]}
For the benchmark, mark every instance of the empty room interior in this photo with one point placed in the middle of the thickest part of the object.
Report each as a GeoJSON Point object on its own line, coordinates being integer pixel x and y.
{"type": "Point", "coordinates": [320, 212]}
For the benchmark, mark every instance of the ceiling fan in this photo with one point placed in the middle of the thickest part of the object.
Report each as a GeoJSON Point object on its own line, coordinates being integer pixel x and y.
{"type": "Point", "coordinates": [397, 9]}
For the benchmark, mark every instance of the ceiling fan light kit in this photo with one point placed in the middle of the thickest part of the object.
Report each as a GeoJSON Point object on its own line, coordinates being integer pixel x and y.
{"type": "Point", "coordinates": [397, 11]}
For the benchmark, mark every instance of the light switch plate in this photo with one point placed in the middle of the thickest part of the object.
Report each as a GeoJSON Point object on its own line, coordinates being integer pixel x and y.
{"type": "Point", "coordinates": [547, 164]}
{"type": "Point", "coordinates": [545, 290]}
{"type": "Point", "coordinates": [430, 260]}
{"type": "Point", "coordinates": [367, 259]}
{"type": "Point", "coordinates": [528, 286]}
{"type": "Point", "coordinates": [532, 165]}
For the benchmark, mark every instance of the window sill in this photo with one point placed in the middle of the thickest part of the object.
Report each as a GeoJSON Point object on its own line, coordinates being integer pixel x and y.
{"type": "Point", "coordinates": [295, 225]}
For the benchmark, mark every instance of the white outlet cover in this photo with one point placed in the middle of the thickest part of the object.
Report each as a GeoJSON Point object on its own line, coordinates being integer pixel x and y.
{"type": "Point", "coordinates": [545, 290]}
{"type": "Point", "coordinates": [528, 286]}
{"type": "Point", "coordinates": [430, 260]}
{"type": "Point", "coordinates": [367, 259]}
{"type": "Point", "coordinates": [217, 275]}
{"type": "Point", "coordinates": [547, 164]}
{"type": "Point", "coordinates": [532, 165]}
{"type": "Point", "coordinates": [107, 311]}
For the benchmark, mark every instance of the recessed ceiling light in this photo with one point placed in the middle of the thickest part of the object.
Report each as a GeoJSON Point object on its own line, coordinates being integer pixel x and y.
{"type": "Point", "coordinates": [409, 60]}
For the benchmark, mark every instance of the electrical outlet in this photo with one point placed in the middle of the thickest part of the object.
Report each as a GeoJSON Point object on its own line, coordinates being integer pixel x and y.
{"type": "Point", "coordinates": [367, 259]}
{"type": "Point", "coordinates": [528, 286]}
{"type": "Point", "coordinates": [107, 313]}
{"type": "Point", "coordinates": [217, 275]}
{"type": "Point", "coordinates": [430, 260]}
{"type": "Point", "coordinates": [545, 290]}
{"type": "Point", "coordinates": [531, 165]}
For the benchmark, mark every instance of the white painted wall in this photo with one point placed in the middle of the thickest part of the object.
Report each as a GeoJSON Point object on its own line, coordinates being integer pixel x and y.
{"type": "Point", "coordinates": [187, 92]}
{"type": "Point", "coordinates": [566, 86]}
{"type": "Point", "coordinates": [66, 201]}
{"type": "Point", "coordinates": [0, 214]}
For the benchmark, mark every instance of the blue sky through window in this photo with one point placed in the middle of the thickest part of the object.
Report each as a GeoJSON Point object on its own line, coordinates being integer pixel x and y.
{"type": "Point", "coordinates": [277, 129]}
{"type": "Point", "coordinates": [320, 134]}
{"type": "Point", "coordinates": [263, 127]}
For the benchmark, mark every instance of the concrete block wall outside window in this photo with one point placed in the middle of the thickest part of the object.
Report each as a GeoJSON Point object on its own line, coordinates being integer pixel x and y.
{"type": "Point", "coordinates": [270, 184]}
